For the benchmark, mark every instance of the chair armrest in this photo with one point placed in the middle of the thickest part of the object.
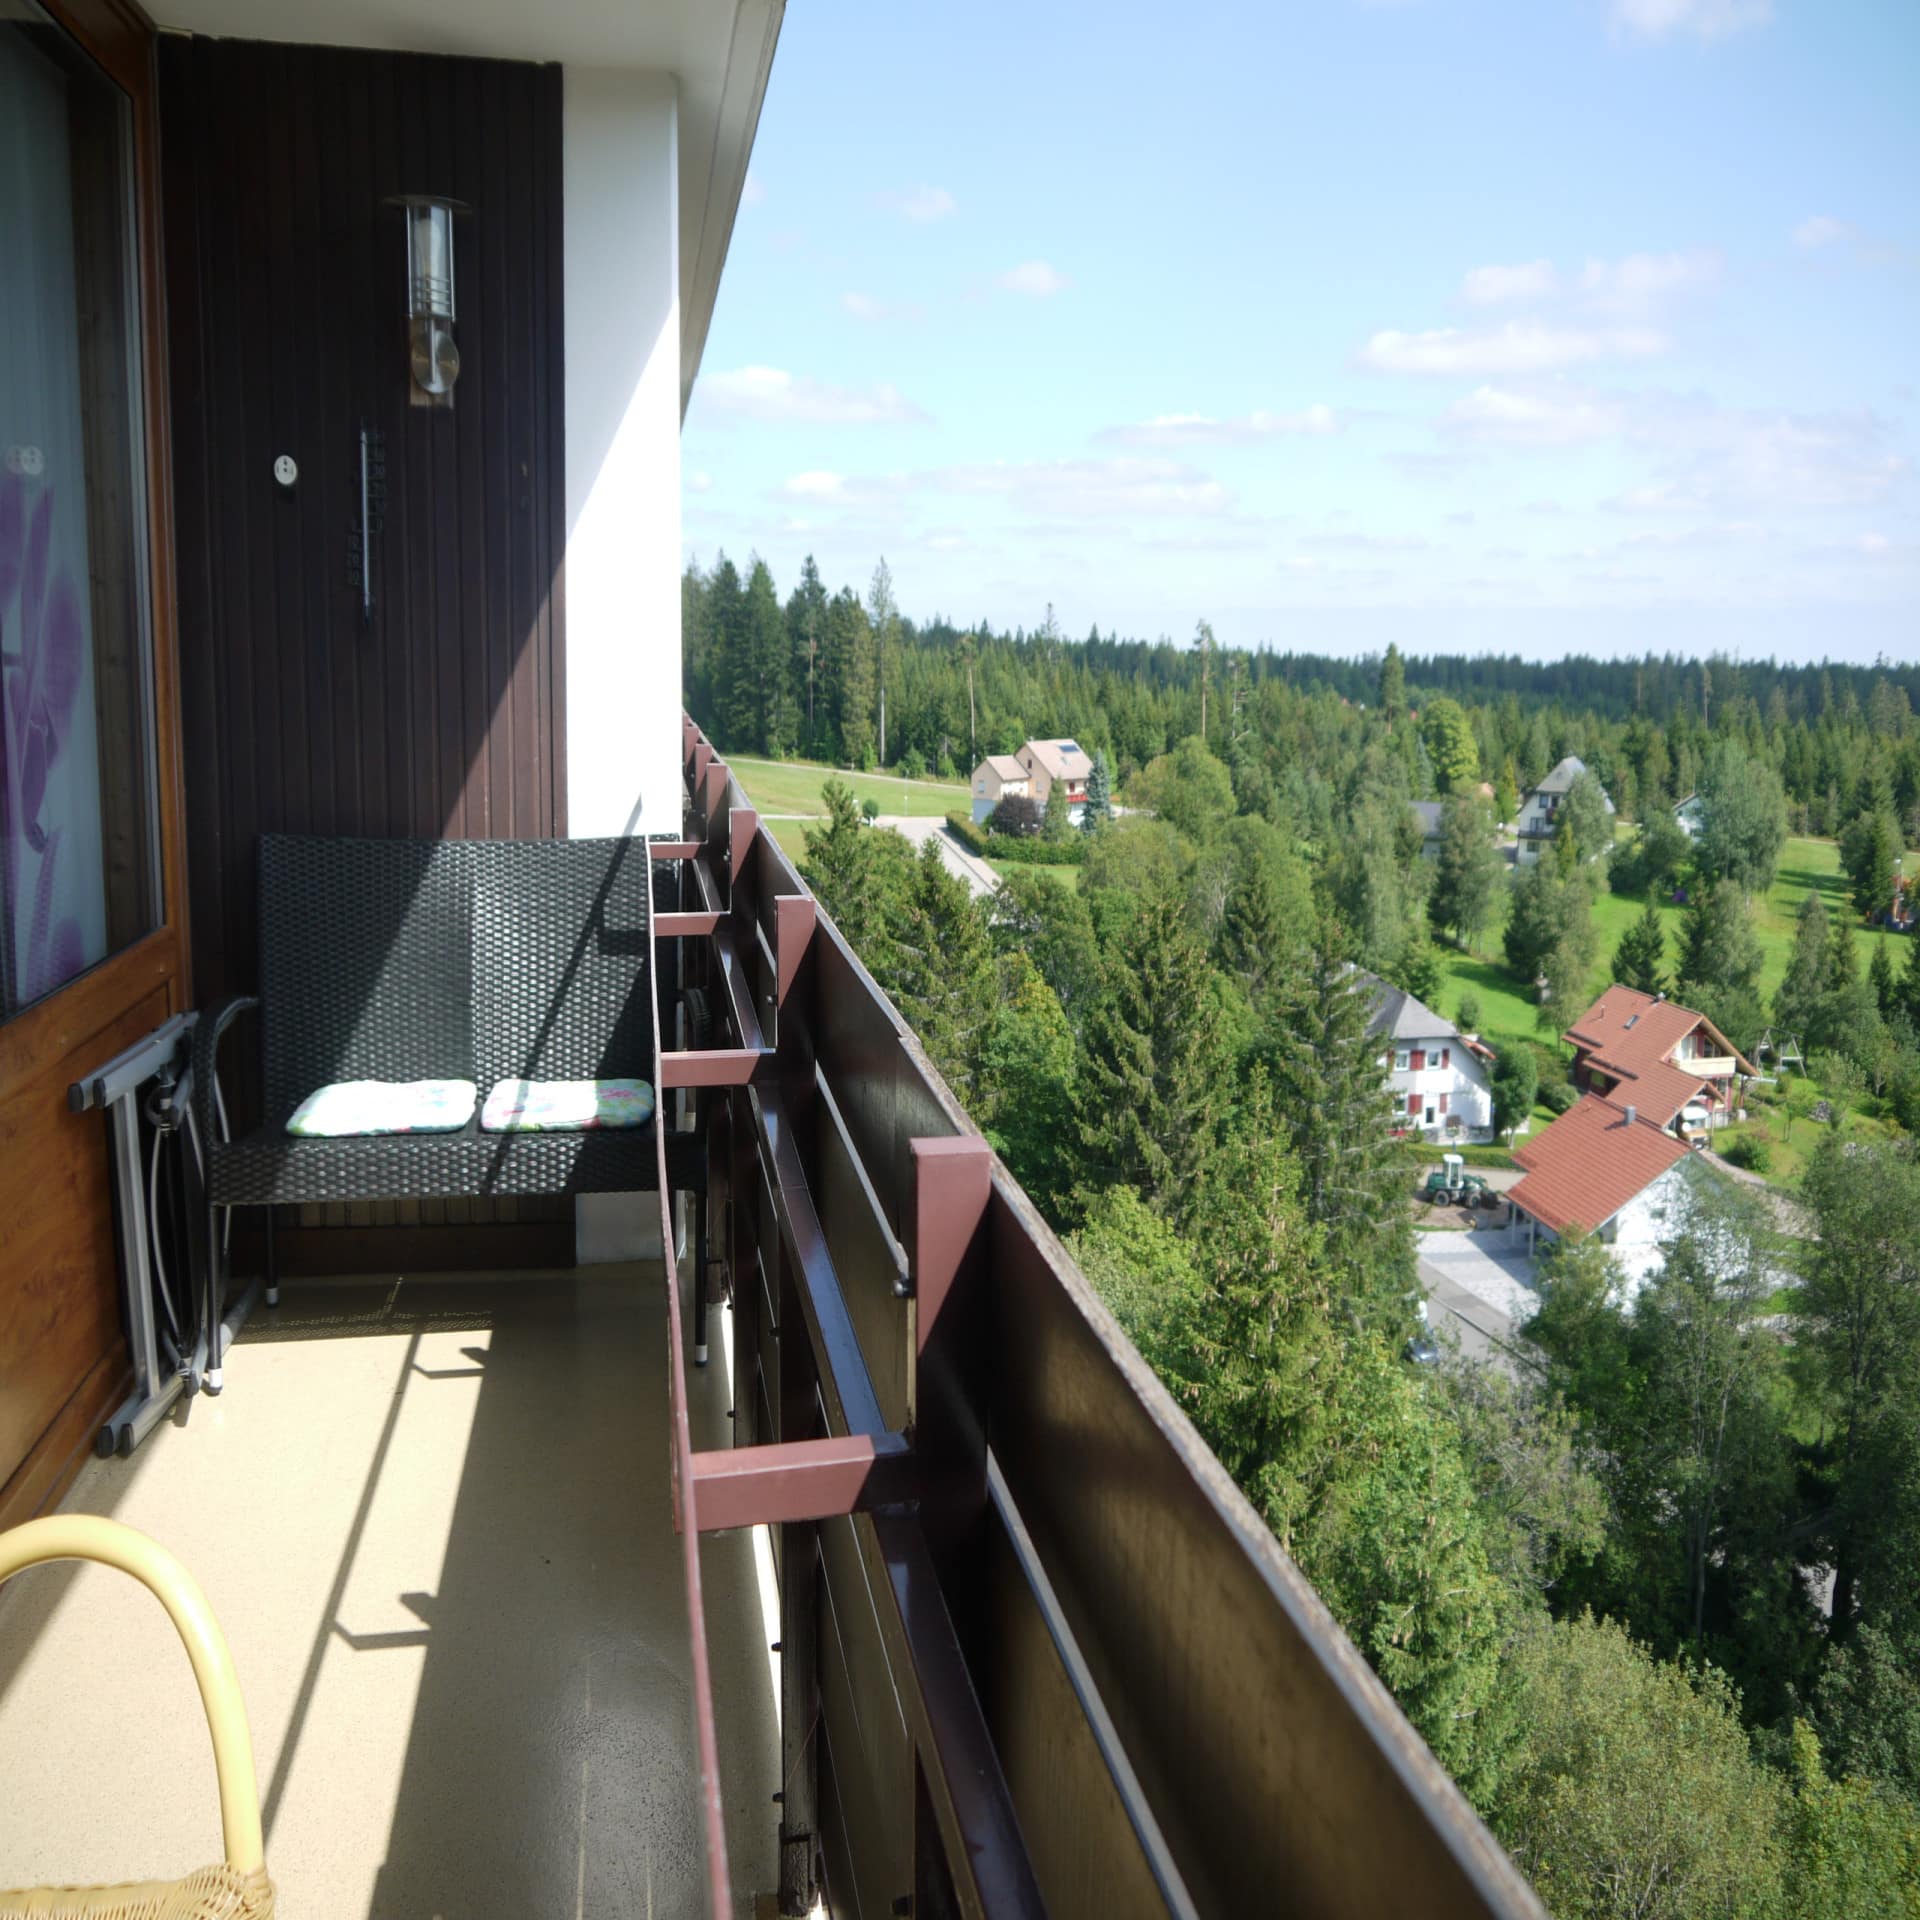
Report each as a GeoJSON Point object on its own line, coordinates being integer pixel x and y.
{"type": "Point", "coordinates": [85, 1536]}
{"type": "Point", "coordinates": [206, 1057]}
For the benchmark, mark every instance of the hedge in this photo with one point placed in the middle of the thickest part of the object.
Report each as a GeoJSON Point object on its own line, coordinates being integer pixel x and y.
{"type": "Point", "coordinates": [1010, 847]}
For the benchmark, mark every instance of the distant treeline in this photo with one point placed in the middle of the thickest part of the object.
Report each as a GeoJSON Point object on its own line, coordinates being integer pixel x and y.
{"type": "Point", "coordinates": [808, 677]}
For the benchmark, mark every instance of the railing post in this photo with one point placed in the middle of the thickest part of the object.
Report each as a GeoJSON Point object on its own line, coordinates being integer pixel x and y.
{"type": "Point", "coordinates": [945, 1239]}
{"type": "Point", "coordinates": [799, 1549]}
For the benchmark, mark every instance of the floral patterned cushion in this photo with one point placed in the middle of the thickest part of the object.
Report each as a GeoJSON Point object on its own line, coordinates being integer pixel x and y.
{"type": "Point", "coordinates": [565, 1106]}
{"type": "Point", "coordinates": [385, 1106]}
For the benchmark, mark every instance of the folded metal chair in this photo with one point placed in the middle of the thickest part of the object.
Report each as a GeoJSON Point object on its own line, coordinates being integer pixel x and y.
{"type": "Point", "coordinates": [239, 1888]}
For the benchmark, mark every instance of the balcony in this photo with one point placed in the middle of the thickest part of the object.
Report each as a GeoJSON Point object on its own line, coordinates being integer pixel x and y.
{"type": "Point", "coordinates": [502, 1566]}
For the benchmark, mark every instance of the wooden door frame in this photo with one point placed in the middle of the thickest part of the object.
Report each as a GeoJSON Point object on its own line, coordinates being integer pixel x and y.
{"type": "Point", "coordinates": [120, 39]}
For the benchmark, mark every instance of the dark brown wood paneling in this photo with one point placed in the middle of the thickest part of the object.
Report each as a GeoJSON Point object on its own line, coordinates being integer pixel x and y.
{"type": "Point", "coordinates": [286, 276]}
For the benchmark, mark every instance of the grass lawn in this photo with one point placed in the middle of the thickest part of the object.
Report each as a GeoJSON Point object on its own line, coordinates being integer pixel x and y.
{"type": "Point", "coordinates": [790, 836]}
{"type": "Point", "coordinates": [1507, 1011]}
{"type": "Point", "coordinates": [793, 786]}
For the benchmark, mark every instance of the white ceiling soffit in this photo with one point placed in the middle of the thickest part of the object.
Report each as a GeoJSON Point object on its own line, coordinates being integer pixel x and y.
{"type": "Point", "coordinates": [720, 52]}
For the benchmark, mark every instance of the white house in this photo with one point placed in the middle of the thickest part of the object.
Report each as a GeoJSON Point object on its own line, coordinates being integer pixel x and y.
{"type": "Point", "coordinates": [1607, 1170]}
{"type": "Point", "coordinates": [1046, 761]}
{"type": "Point", "coordinates": [996, 778]}
{"type": "Point", "coordinates": [1691, 815]}
{"type": "Point", "coordinates": [1438, 1074]}
{"type": "Point", "coordinates": [1540, 808]}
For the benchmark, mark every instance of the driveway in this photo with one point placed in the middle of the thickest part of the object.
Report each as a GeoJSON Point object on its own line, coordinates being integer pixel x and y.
{"type": "Point", "coordinates": [1478, 1289]}
{"type": "Point", "coordinates": [960, 861]}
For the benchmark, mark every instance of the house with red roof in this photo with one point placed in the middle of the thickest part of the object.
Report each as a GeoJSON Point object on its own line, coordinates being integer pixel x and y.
{"type": "Point", "coordinates": [1672, 1065]}
{"type": "Point", "coordinates": [1603, 1170]}
{"type": "Point", "coordinates": [1654, 1077]}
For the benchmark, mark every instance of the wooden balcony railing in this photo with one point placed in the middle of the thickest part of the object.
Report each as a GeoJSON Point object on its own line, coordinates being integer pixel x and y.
{"type": "Point", "coordinates": [1038, 1654]}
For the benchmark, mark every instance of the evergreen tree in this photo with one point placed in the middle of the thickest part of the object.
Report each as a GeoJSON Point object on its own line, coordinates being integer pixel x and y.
{"type": "Point", "coordinates": [1584, 818]}
{"type": "Point", "coordinates": [1026, 1090]}
{"type": "Point", "coordinates": [1720, 960]}
{"type": "Point", "coordinates": [1640, 960]}
{"type": "Point", "coordinates": [852, 687]}
{"type": "Point", "coordinates": [1796, 1001]}
{"type": "Point", "coordinates": [762, 693]}
{"type": "Point", "coordinates": [1331, 1099]}
{"type": "Point", "coordinates": [843, 866]}
{"type": "Point", "coordinates": [1057, 823]}
{"type": "Point", "coordinates": [1886, 993]}
{"type": "Point", "coordinates": [1744, 818]}
{"type": "Point", "coordinates": [1467, 874]}
{"type": "Point", "coordinates": [806, 635]}
{"type": "Point", "coordinates": [1098, 809]}
{"type": "Point", "coordinates": [735, 715]}
{"type": "Point", "coordinates": [1255, 939]}
{"type": "Point", "coordinates": [1910, 981]}
{"type": "Point", "coordinates": [1155, 1071]}
{"type": "Point", "coordinates": [1858, 1314]}
{"type": "Point", "coordinates": [1718, 947]}
{"type": "Point", "coordinates": [1393, 685]}
{"type": "Point", "coordinates": [942, 972]}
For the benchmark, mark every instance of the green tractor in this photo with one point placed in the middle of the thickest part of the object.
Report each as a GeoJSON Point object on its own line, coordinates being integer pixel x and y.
{"type": "Point", "coordinates": [1451, 1185]}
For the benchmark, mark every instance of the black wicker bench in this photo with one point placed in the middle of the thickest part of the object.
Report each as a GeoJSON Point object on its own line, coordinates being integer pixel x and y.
{"type": "Point", "coordinates": [483, 960]}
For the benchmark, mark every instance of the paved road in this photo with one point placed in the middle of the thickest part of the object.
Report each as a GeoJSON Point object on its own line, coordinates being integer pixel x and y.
{"type": "Point", "coordinates": [1478, 1290]}
{"type": "Point", "coordinates": [961, 861]}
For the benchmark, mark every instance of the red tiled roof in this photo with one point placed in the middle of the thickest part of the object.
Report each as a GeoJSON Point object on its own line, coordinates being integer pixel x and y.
{"type": "Point", "coordinates": [1589, 1163]}
{"type": "Point", "coordinates": [1628, 1032]}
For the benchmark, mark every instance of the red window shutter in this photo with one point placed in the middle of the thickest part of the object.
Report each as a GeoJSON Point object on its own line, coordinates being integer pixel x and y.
{"type": "Point", "coordinates": [1419, 1060]}
{"type": "Point", "coordinates": [1446, 1056]}
{"type": "Point", "coordinates": [1443, 1102]}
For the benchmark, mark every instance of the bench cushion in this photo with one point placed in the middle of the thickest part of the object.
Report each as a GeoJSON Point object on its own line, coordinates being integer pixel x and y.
{"type": "Point", "coordinates": [353, 1107]}
{"type": "Point", "coordinates": [550, 1106]}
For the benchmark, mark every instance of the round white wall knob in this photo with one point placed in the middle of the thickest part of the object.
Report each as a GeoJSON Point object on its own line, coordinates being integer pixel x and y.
{"type": "Point", "coordinates": [285, 470]}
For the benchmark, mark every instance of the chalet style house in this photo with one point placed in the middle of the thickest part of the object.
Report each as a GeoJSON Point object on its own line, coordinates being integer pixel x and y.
{"type": "Point", "coordinates": [1437, 1073]}
{"type": "Point", "coordinates": [998, 777]}
{"type": "Point", "coordinates": [1540, 808]}
{"type": "Point", "coordinates": [1672, 1066]}
{"type": "Point", "coordinates": [1655, 1077]}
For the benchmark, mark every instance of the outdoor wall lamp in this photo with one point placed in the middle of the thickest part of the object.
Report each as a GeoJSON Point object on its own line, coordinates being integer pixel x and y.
{"type": "Point", "coordinates": [434, 359]}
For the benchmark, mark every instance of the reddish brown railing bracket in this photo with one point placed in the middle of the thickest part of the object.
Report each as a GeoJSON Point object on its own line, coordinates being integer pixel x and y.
{"type": "Point", "coordinates": [801, 1480]}
{"type": "Point", "coordinates": [715, 1066]}
{"type": "Point", "coordinates": [742, 824]}
{"type": "Point", "coordinates": [795, 917]}
{"type": "Point", "coordinates": [684, 926]}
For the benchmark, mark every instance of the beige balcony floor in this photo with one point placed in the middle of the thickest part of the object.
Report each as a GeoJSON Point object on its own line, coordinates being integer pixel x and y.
{"type": "Point", "coordinates": [432, 1516]}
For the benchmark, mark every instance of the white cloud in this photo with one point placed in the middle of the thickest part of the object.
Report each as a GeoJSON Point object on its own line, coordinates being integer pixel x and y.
{"type": "Point", "coordinates": [1556, 418]}
{"type": "Point", "coordinates": [921, 203]}
{"type": "Point", "coordinates": [816, 484]}
{"type": "Point", "coordinates": [1495, 286]}
{"type": "Point", "coordinates": [1087, 489]}
{"type": "Point", "coordinates": [1034, 277]}
{"type": "Point", "coordinates": [863, 306]}
{"type": "Point", "coordinates": [1704, 19]}
{"type": "Point", "coordinates": [754, 192]}
{"type": "Point", "coordinates": [1638, 280]}
{"type": "Point", "coordinates": [769, 393]}
{"type": "Point", "coordinates": [1364, 542]}
{"type": "Point", "coordinates": [1822, 230]}
{"type": "Point", "coordinates": [1204, 430]}
{"type": "Point", "coordinates": [1520, 346]}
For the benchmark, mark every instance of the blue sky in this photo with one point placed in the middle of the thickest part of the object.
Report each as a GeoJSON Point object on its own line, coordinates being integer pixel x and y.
{"type": "Point", "coordinates": [1552, 326]}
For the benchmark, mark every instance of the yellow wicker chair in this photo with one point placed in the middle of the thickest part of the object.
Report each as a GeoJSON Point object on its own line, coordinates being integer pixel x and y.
{"type": "Point", "coordinates": [237, 1890]}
